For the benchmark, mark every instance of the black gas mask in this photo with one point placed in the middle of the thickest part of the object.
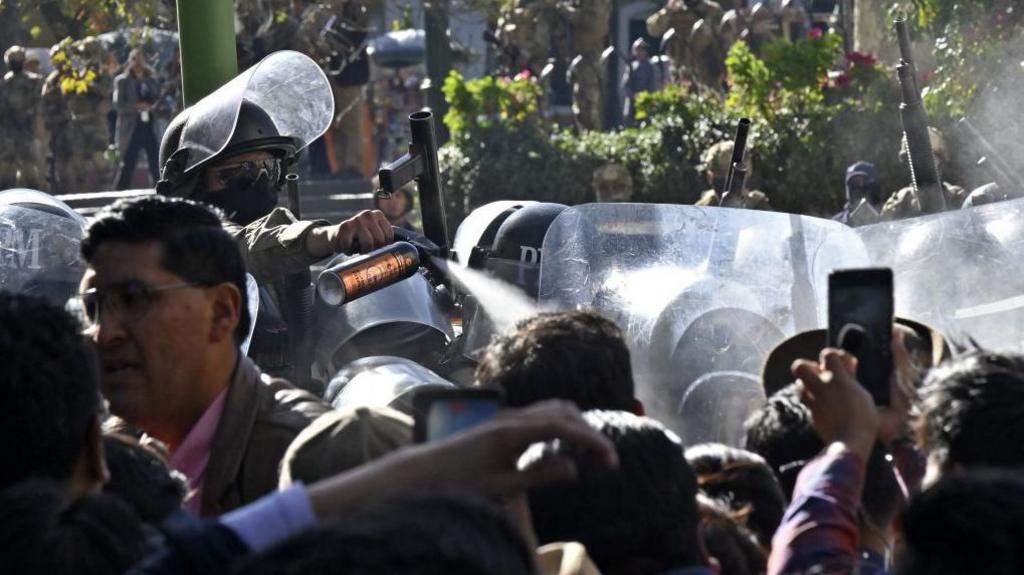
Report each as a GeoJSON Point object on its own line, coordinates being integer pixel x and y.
{"type": "Point", "coordinates": [250, 189]}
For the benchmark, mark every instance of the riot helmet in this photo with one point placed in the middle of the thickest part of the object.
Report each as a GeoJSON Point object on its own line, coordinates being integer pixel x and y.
{"type": "Point", "coordinates": [39, 245]}
{"type": "Point", "coordinates": [278, 106]}
{"type": "Point", "coordinates": [475, 235]}
{"type": "Point", "coordinates": [516, 253]}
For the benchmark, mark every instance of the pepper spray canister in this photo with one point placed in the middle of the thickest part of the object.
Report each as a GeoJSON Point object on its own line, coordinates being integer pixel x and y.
{"type": "Point", "coordinates": [365, 274]}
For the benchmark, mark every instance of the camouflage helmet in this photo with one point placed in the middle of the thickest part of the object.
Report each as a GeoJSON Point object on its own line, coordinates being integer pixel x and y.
{"type": "Point", "coordinates": [14, 56]}
{"type": "Point", "coordinates": [716, 159]}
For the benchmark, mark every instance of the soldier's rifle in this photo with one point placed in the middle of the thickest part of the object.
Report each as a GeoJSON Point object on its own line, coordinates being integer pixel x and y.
{"type": "Point", "coordinates": [736, 179]}
{"type": "Point", "coordinates": [924, 172]}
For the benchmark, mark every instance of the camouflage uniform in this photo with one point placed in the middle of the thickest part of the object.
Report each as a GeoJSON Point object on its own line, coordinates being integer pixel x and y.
{"type": "Point", "coordinates": [57, 124]}
{"type": "Point", "coordinates": [613, 183]}
{"type": "Point", "coordinates": [274, 246]}
{"type": "Point", "coordinates": [589, 21]}
{"type": "Point", "coordinates": [904, 202]}
{"type": "Point", "coordinates": [526, 30]}
{"type": "Point", "coordinates": [690, 24]}
{"type": "Point", "coordinates": [716, 163]}
{"type": "Point", "coordinates": [21, 162]}
{"type": "Point", "coordinates": [89, 131]}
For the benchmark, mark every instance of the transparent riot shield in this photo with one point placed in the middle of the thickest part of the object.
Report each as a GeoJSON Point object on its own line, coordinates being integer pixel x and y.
{"type": "Point", "coordinates": [961, 271]}
{"type": "Point", "coordinates": [289, 86]}
{"type": "Point", "coordinates": [40, 238]}
{"type": "Point", "coordinates": [697, 291]}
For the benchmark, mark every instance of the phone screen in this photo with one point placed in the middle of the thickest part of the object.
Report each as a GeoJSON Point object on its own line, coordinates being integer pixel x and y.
{"type": "Point", "coordinates": [441, 414]}
{"type": "Point", "coordinates": [860, 316]}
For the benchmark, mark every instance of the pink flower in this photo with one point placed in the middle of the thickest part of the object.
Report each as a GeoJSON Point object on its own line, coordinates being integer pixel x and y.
{"type": "Point", "coordinates": [524, 75]}
{"type": "Point", "coordinates": [864, 59]}
{"type": "Point", "coordinates": [815, 33]}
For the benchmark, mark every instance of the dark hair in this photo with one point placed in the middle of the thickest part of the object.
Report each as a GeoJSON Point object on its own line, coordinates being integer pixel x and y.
{"type": "Point", "coordinates": [966, 523]}
{"type": "Point", "coordinates": [728, 540]}
{"type": "Point", "coordinates": [972, 411]}
{"type": "Point", "coordinates": [142, 479]}
{"type": "Point", "coordinates": [640, 518]}
{"type": "Point", "coordinates": [782, 433]}
{"type": "Point", "coordinates": [743, 483]}
{"type": "Point", "coordinates": [44, 532]}
{"type": "Point", "coordinates": [577, 355]}
{"type": "Point", "coordinates": [423, 534]}
{"type": "Point", "coordinates": [195, 244]}
{"type": "Point", "coordinates": [49, 390]}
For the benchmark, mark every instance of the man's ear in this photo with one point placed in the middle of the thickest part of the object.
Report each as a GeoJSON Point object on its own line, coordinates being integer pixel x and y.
{"type": "Point", "coordinates": [638, 408]}
{"type": "Point", "coordinates": [226, 302]}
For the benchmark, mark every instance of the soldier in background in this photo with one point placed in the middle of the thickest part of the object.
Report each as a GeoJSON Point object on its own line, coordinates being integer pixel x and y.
{"type": "Point", "coordinates": [89, 131]}
{"type": "Point", "coordinates": [21, 163]}
{"type": "Point", "coordinates": [613, 183]}
{"type": "Point", "coordinates": [525, 31]}
{"type": "Point", "coordinates": [589, 21]}
{"type": "Point", "coordinates": [904, 203]}
{"type": "Point", "coordinates": [678, 25]}
{"type": "Point", "coordinates": [707, 55]}
{"type": "Point", "coordinates": [57, 122]}
{"type": "Point", "coordinates": [716, 168]}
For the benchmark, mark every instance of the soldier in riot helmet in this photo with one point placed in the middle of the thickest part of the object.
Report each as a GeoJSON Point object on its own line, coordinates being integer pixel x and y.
{"type": "Point", "coordinates": [716, 168]}
{"type": "Point", "coordinates": [242, 171]}
{"type": "Point", "coordinates": [21, 161]}
{"type": "Point", "coordinates": [904, 202]}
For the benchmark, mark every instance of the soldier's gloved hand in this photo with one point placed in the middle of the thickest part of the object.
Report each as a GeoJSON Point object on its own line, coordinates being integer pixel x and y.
{"type": "Point", "coordinates": [362, 233]}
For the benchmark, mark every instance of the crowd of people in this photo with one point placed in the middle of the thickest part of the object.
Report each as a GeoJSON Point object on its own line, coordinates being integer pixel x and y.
{"type": "Point", "coordinates": [144, 441]}
{"type": "Point", "coordinates": [160, 415]}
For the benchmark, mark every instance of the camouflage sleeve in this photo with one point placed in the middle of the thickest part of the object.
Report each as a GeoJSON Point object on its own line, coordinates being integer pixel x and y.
{"type": "Point", "coordinates": [274, 246]}
{"type": "Point", "coordinates": [708, 198]}
{"type": "Point", "coordinates": [900, 205]}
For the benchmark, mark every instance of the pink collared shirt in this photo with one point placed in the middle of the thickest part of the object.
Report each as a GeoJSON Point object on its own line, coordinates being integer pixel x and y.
{"type": "Point", "coordinates": [193, 454]}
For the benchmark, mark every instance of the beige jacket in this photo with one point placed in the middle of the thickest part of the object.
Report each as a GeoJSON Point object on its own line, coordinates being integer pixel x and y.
{"type": "Point", "coordinates": [261, 417]}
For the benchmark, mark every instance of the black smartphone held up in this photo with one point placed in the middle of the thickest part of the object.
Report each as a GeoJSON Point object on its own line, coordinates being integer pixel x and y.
{"type": "Point", "coordinates": [860, 316]}
{"type": "Point", "coordinates": [442, 412]}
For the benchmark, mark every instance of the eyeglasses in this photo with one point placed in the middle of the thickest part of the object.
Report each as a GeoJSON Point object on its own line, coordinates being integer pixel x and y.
{"type": "Point", "coordinates": [131, 300]}
{"type": "Point", "coordinates": [251, 170]}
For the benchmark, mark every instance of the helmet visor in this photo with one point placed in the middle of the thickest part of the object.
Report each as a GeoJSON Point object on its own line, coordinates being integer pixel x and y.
{"type": "Point", "coordinates": [287, 85]}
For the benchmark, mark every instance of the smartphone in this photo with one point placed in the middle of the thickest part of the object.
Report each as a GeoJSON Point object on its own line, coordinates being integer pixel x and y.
{"type": "Point", "coordinates": [440, 413]}
{"type": "Point", "coordinates": [860, 316]}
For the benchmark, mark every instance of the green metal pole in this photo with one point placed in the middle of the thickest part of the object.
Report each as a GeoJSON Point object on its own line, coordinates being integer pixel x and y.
{"type": "Point", "coordinates": [206, 35]}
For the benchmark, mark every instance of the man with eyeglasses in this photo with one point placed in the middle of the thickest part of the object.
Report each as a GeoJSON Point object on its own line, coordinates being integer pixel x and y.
{"type": "Point", "coordinates": [164, 298]}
